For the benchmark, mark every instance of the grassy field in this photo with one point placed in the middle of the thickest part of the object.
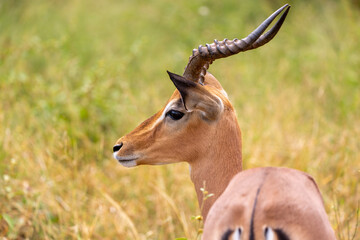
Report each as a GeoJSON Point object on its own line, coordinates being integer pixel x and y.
{"type": "Point", "coordinates": [77, 75]}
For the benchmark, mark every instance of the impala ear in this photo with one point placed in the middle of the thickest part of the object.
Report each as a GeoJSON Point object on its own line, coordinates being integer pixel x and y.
{"type": "Point", "coordinates": [195, 97]}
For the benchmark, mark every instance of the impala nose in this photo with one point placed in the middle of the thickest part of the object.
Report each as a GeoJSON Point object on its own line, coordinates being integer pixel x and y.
{"type": "Point", "coordinates": [117, 147]}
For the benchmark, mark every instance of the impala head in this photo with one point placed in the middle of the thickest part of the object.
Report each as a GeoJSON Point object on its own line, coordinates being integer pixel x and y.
{"type": "Point", "coordinates": [190, 123]}
{"type": "Point", "coordinates": [180, 130]}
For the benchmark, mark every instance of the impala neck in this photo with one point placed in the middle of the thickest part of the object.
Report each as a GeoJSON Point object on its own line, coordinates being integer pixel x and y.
{"type": "Point", "coordinates": [219, 164]}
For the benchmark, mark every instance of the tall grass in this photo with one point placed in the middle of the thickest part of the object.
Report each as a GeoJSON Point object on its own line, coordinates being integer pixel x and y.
{"type": "Point", "coordinates": [77, 75]}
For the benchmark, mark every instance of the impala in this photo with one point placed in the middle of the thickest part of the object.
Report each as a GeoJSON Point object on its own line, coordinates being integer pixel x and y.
{"type": "Point", "coordinates": [198, 125]}
{"type": "Point", "coordinates": [269, 203]}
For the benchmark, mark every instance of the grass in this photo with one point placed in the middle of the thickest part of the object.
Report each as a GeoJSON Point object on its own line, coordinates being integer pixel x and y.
{"type": "Point", "coordinates": [77, 75]}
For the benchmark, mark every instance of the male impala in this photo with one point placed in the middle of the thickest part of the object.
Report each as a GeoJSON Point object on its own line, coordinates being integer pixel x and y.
{"type": "Point", "coordinates": [198, 125]}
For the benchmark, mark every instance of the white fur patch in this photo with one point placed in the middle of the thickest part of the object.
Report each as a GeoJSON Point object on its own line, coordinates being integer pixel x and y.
{"type": "Point", "coordinates": [127, 161]}
{"type": "Point", "coordinates": [221, 103]}
{"type": "Point", "coordinates": [269, 234]}
{"type": "Point", "coordinates": [114, 154]}
{"type": "Point", "coordinates": [128, 164]}
{"type": "Point", "coordinates": [237, 234]}
{"type": "Point", "coordinates": [162, 117]}
{"type": "Point", "coordinates": [224, 93]}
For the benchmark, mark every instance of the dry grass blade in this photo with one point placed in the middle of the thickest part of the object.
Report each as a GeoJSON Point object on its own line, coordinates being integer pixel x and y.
{"type": "Point", "coordinates": [123, 215]}
{"type": "Point", "coordinates": [357, 222]}
{"type": "Point", "coordinates": [179, 214]}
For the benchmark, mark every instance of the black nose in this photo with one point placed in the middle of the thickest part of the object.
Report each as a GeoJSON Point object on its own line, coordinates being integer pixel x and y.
{"type": "Point", "coordinates": [117, 147]}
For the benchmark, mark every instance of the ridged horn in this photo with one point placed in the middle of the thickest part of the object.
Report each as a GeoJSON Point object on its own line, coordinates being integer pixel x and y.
{"type": "Point", "coordinates": [202, 57]}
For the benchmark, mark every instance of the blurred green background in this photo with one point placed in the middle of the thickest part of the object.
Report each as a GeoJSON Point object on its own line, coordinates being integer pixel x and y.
{"type": "Point", "coordinates": [77, 75]}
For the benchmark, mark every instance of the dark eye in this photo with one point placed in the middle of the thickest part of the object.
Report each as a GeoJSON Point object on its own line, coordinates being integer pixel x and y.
{"type": "Point", "coordinates": [174, 115]}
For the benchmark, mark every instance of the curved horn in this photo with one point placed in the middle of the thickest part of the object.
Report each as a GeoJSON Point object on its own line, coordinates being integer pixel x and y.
{"type": "Point", "coordinates": [202, 57]}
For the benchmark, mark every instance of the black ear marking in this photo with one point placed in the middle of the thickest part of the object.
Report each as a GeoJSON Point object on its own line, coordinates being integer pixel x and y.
{"type": "Point", "coordinates": [268, 233]}
{"type": "Point", "coordinates": [227, 234]}
{"type": "Point", "coordinates": [182, 85]}
{"type": "Point", "coordinates": [281, 234]}
{"type": "Point", "coordinates": [236, 234]}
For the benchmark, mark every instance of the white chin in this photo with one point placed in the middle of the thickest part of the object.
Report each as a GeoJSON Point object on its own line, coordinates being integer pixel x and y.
{"type": "Point", "coordinates": [129, 164]}
{"type": "Point", "coordinates": [125, 161]}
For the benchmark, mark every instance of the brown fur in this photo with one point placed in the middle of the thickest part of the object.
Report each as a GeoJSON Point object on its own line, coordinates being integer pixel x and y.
{"type": "Point", "coordinates": [288, 200]}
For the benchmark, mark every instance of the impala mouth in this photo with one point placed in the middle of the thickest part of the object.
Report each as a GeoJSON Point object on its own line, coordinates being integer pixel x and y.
{"type": "Point", "coordinates": [126, 161]}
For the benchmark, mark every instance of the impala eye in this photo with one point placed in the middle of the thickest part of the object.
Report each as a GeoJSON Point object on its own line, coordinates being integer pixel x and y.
{"type": "Point", "coordinates": [174, 115]}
